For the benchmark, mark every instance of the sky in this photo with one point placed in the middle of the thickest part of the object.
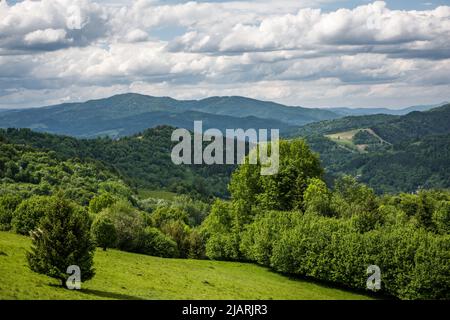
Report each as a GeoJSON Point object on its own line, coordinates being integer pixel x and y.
{"type": "Point", "coordinates": [311, 53]}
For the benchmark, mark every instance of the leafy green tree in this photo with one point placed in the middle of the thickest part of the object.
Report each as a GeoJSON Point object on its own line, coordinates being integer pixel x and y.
{"type": "Point", "coordinates": [62, 240]}
{"type": "Point", "coordinates": [281, 191]}
{"type": "Point", "coordinates": [104, 232]}
{"type": "Point", "coordinates": [28, 214]}
{"type": "Point", "coordinates": [164, 214]}
{"type": "Point", "coordinates": [100, 202]}
{"type": "Point", "coordinates": [317, 198]}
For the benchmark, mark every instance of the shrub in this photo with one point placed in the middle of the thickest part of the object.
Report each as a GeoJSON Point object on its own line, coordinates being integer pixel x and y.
{"type": "Point", "coordinates": [128, 222]}
{"type": "Point", "coordinates": [8, 203]}
{"type": "Point", "coordinates": [153, 242]}
{"type": "Point", "coordinates": [196, 245]}
{"type": "Point", "coordinates": [180, 233]}
{"type": "Point", "coordinates": [103, 232]}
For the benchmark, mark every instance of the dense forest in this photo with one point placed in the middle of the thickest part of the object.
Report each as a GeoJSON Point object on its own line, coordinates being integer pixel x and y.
{"type": "Point", "coordinates": [142, 161]}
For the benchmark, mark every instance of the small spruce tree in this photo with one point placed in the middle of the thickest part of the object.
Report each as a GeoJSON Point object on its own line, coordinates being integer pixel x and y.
{"type": "Point", "coordinates": [62, 239]}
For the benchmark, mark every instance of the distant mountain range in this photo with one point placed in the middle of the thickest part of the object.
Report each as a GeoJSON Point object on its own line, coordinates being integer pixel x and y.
{"type": "Point", "coordinates": [127, 114]}
{"type": "Point", "coordinates": [368, 111]}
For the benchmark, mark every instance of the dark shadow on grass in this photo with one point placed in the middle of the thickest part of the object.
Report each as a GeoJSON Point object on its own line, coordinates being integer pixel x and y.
{"type": "Point", "coordinates": [332, 285]}
{"type": "Point", "coordinates": [109, 295]}
{"type": "Point", "coordinates": [101, 294]}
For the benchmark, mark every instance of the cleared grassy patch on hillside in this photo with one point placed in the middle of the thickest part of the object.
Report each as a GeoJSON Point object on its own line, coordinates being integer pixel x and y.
{"type": "Point", "coordinates": [122, 275]}
{"type": "Point", "coordinates": [347, 139]}
{"type": "Point", "coordinates": [157, 194]}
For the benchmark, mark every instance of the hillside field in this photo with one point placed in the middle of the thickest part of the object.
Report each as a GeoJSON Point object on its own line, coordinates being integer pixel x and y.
{"type": "Point", "coordinates": [122, 275]}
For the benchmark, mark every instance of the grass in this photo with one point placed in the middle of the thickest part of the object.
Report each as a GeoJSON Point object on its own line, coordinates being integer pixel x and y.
{"type": "Point", "coordinates": [122, 275]}
{"type": "Point", "coordinates": [345, 139]}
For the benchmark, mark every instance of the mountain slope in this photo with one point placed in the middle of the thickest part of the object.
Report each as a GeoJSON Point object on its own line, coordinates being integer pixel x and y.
{"type": "Point", "coordinates": [143, 161]}
{"type": "Point", "coordinates": [244, 107]}
{"type": "Point", "coordinates": [127, 114]}
{"type": "Point", "coordinates": [415, 125]}
{"type": "Point", "coordinates": [413, 151]}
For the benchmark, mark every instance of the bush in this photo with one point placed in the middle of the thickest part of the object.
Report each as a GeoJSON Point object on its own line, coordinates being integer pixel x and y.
{"type": "Point", "coordinates": [103, 232]}
{"type": "Point", "coordinates": [223, 247]}
{"type": "Point", "coordinates": [153, 242]}
{"type": "Point", "coordinates": [196, 245]}
{"type": "Point", "coordinates": [8, 203]}
{"type": "Point", "coordinates": [62, 240]}
{"type": "Point", "coordinates": [258, 238]}
{"type": "Point", "coordinates": [128, 222]}
{"type": "Point", "coordinates": [414, 263]}
{"type": "Point", "coordinates": [180, 233]}
{"type": "Point", "coordinates": [28, 214]}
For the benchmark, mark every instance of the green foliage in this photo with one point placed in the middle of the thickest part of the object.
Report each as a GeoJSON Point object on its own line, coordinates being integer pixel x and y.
{"type": "Point", "coordinates": [100, 202]}
{"type": "Point", "coordinates": [29, 213]}
{"type": "Point", "coordinates": [8, 204]}
{"type": "Point", "coordinates": [441, 217]}
{"type": "Point", "coordinates": [223, 247]}
{"type": "Point", "coordinates": [331, 250]}
{"type": "Point", "coordinates": [128, 222]}
{"type": "Point", "coordinates": [103, 232]}
{"type": "Point", "coordinates": [163, 215]}
{"type": "Point", "coordinates": [62, 239]}
{"type": "Point", "coordinates": [258, 238]}
{"type": "Point", "coordinates": [317, 198]}
{"type": "Point", "coordinates": [180, 233]}
{"type": "Point", "coordinates": [282, 191]}
{"type": "Point", "coordinates": [155, 243]}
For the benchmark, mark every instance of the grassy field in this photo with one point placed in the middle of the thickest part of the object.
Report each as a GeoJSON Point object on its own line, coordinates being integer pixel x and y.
{"type": "Point", "coordinates": [122, 275]}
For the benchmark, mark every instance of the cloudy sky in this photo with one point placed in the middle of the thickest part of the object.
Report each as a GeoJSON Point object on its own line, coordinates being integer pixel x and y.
{"type": "Point", "coordinates": [313, 53]}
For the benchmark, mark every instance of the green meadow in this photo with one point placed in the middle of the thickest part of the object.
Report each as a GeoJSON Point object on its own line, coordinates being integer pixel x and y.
{"type": "Point", "coordinates": [122, 275]}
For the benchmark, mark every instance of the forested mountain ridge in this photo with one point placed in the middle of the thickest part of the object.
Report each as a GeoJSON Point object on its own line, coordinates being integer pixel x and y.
{"type": "Point", "coordinates": [128, 114]}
